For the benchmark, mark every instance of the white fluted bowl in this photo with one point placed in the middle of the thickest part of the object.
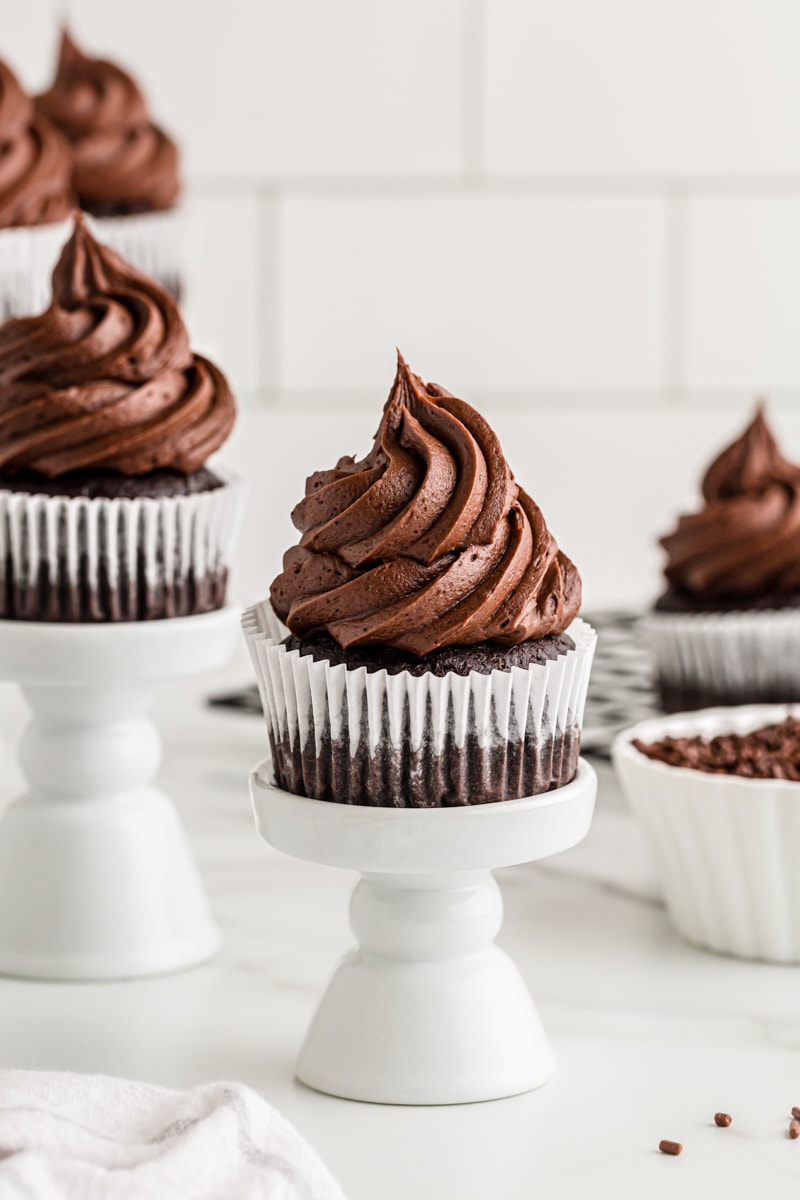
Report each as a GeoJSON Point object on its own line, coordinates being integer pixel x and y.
{"type": "Point", "coordinates": [727, 849]}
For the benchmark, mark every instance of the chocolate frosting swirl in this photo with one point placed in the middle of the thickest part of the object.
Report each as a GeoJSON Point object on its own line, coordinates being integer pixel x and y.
{"type": "Point", "coordinates": [746, 541]}
{"type": "Point", "coordinates": [105, 379]}
{"type": "Point", "coordinates": [35, 165]}
{"type": "Point", "coordinates": [122, 162]}
{"type": "Point", "coordinates": [426, 542]}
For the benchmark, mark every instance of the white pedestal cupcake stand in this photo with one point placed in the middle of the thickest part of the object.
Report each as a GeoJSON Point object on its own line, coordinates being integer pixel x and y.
{"type": "Point", "coordinates": [96, 877]}
{"type": "Point", "coordinates": [426, 1009]}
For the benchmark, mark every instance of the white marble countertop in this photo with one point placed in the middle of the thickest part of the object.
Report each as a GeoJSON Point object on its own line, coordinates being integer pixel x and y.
{"type": "Point", "coordinates": [652, 1037]}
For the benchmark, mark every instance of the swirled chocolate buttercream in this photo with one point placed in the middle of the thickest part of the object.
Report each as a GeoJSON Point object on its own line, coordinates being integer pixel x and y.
{"type": "Point", "coordinates": [35, 166]}
{"type": "Point", "coordinates": [105, 378]}
{"type": "Point", "coordinates": [746, 540]}
{"type": "Point", "coordinates": [426, 542]}
{"type": "Point", "coordinates": [122, 162]}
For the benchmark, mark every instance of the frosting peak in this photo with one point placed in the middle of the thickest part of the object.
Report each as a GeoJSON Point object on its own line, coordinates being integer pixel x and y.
{"type": "Point", "coordinates": [35, 163]}
{"type": "Point", "coordinates": [746, 541]}
{"type": "Point", "coordinates": [122, 162]}
{"type": "Point", "coordinates": [105, 378]}
{"type": "Point", "coordinates": [426, 542]}
{"type": "Point", "coordinates": [749, 464]}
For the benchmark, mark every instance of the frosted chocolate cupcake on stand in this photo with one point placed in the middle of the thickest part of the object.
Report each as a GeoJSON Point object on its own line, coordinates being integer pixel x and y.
{"type": "Point", "coordinates": [424, 717]}
{"type": "Point", "coordinates": [434, 656]}
{"type": "Point", "coordinates": [124, 166]}
{"type": "Point", "coordinates": [36, 199]}
{"type": "Point", "coordinates": [114, 544]}
{"type": "Point", "coordinates": [108, 511]}
{"type": "Point", "coordinates": [727, 629]}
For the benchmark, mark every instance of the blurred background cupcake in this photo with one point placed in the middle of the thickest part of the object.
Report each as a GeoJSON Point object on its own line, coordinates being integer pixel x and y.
{"type": "Point", "coordinates": [107, 509]}
{"type": "Point", "coordinates": [435, 656]}
{"type": "Point", "coordinates": [36, 199]}
{"type": "Point", "coordinates": [124, 166]}
{"type": "Point", "coordinates": [727, 630]}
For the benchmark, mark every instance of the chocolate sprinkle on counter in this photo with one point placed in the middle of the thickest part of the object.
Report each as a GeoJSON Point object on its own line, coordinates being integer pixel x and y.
{"type": "Point", "coordinates": [772, 752]}
{"type": "Point", "coordinates": [673, 1148]}
{"type": "Point", "coordinates": [796, 1113]}
{"type": "Point", "coordinates": [794, 1129]}
{"type": "Point", "coordinates": [723, 1120]}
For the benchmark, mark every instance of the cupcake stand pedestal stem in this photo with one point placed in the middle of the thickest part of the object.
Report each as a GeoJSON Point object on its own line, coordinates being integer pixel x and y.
{"type": "Point", "coordinates": [426, 1009]}
{"type": "Point", "coordinates": [96, 877]}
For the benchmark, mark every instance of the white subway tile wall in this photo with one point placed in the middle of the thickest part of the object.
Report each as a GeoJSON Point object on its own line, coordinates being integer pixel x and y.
{"type": "Point", "coordinates": [488, 292]}
{"type": "Point", "coordinates": [743, 292]}
{"type": "Point", "coordinates": [642, 87]}
{"type": "Point", "coordinates": [551, 203]}
{"type": "Point", "coordinates": [587, 209]}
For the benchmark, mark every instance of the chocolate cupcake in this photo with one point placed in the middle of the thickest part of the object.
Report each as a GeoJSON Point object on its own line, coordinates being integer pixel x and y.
{"type": "Point", "coordinates": [434, 656]}
{"type": "Point", "coordinates": [36, 199]}
{"type": "Point", "coordinates": [107, 510]}
{"type": "Point", "coordinates": [125, 167]}
{"type": "Point", "coordinates": [727, 629]}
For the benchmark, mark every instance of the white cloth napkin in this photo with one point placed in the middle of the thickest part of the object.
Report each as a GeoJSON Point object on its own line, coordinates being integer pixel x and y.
{"type": "Point", "coordinates": [93, 1137]}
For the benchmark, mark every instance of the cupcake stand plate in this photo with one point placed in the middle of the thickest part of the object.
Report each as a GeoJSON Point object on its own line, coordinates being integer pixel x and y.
{"type": "Point", "coordinates": [96, 877]}
{"type": "Point", "coordinates": [426, 1009]}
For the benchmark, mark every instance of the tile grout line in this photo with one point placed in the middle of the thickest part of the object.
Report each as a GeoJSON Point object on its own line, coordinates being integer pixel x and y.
{"type": "Point", "coordinates": [674, 293]}
{"type": "Point", "coordinates": [473, 89]}
{"type": "Point", "coordinates": [495, 185]}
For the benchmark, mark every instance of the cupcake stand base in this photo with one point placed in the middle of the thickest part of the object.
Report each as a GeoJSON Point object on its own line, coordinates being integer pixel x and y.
{"type": "Point", "coordinates": [426, 1009]}
{"type": "Point", "coordinates": [96, 877]}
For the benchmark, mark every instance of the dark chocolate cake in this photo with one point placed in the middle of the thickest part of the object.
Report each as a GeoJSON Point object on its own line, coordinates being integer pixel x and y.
{"type": "Point", "coordinates": [110, 485]}
{"type": "Point", "coordinates": [459, 660]}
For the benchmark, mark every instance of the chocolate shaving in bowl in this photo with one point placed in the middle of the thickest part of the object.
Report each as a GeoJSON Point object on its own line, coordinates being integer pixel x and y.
{"type": "Point", "coordinates": [772, 752]}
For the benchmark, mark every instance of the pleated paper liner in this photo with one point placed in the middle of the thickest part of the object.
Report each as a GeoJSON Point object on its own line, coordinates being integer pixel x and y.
{"type": "Point", "coordinates": [703, 659]}
{"type": "Point", "coordinates": [361, 737]}
{"type": "Point", "coordinates": [27, 258]}
{"type": "Point", "coordinates": [72, 558]}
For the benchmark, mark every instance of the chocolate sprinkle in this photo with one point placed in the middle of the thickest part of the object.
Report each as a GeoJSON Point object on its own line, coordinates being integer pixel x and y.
{"type": "Point", "coordinates": [772, 752]}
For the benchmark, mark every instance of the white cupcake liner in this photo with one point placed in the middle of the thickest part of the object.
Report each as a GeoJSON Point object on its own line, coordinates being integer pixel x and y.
{"type": "Point", "coordinates": [27, 257]}
{"type": "Point", "coordinates": [727, 657]}
{"type": "Point", "coordinates": [726, 848]}
{"type": "Point", "coordinates": [66, 558]}
{"type": "Point", "coordinates": [155, 242]}
{"type": "Point", "coordinates": [371, 737]}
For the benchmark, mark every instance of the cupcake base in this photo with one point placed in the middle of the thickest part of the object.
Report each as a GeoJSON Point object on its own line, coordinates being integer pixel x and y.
{"type": "Point", "coordinates": [705, 659]}
{"type": "Point", "coordinates": [364, 734]}
{"type": "Point", "coordinates": [452, 778]}
{"type": "Point", "coordinates": [99, 547]}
